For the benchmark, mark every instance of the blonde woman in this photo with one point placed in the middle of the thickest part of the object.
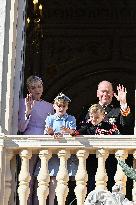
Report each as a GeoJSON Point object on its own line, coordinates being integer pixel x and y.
{"type": "Point", "coordinates": [33, 112]}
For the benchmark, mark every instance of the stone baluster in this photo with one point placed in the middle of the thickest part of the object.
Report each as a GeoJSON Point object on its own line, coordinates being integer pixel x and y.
{"type": "Point", "coordinates": [81, 177]}
{"type": "Point", "coordinates": [24, 177]}
{"type": "Point", "coordinates": [134, 182]}
{"type": "Point", "coordinates": [43, 177]}
{"type": "Point", "coordinates": [101, 177]}
{"type": "Point", "coordinates": [8, 177]}
{"type": "Point", "coordinates": [120, 178]}
{"type": "Point", "coordinates": [62, 178]}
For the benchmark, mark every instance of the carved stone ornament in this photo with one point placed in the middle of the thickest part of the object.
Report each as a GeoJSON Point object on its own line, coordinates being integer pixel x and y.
{"type": "Point", "coordinates": [103, 197]}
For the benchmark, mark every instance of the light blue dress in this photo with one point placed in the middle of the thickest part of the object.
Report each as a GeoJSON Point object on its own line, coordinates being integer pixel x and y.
{"type": "Point", "coordinates": [56, 122]}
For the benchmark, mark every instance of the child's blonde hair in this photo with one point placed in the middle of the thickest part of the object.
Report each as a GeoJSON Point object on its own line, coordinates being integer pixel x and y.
{"type": "Point", "coordinates": [62, 99]}
{"type": "Point", "coordinates": [95, 108]}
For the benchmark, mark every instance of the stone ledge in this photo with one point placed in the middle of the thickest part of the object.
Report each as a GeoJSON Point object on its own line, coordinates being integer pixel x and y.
{"type": "Point", "coordinates": [90, 142]}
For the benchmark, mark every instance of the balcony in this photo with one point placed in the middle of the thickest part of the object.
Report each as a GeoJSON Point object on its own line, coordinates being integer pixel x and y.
{"type": "Point", "coordinates": [44, 145]}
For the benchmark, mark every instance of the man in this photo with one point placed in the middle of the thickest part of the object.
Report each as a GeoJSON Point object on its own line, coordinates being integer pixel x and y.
{"type": "Point", "coordinates": [121, 116]}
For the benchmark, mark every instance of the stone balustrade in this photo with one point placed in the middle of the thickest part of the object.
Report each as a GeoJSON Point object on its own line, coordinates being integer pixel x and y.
{"type": "Point", "coordinates": [45, 146]}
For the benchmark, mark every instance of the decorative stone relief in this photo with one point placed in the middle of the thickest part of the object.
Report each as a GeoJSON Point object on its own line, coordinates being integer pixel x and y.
{"type": "Point", "coordinates": [97, 12]}
{"type": "Point", "coordinates": [103, 197]}
{"type": "Point", "coordinates": [62, 50]}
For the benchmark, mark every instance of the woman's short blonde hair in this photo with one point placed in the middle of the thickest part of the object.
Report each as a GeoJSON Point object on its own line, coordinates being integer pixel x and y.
{"type": "Point", "coordinates": [95, 108]}
{"type": "Point", "coordinates": [33, 79]}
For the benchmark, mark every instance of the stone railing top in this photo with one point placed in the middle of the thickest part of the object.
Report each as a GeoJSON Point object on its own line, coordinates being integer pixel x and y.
{"type": "Point", "coordinates": [90, 142]}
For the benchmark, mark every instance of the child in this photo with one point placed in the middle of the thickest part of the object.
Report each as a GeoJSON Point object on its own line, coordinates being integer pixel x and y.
{"type": "Point", "coordinates": [95, 124]}
{"type": "Point", "coordinates": [58, 124]}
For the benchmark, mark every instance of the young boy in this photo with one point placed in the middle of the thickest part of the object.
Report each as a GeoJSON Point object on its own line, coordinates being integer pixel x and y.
{"type": "Point", "coordinates": [95, 124]}
{"type": "Point", "coordinates": [58, 124]}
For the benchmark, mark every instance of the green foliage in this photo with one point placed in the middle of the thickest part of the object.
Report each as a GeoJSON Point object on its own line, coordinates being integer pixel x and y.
{"type": "Point", "coordinates": [129, 171]}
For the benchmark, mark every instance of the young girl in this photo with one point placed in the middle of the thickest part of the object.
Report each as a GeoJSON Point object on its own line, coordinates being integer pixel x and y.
{"type": "Point", "coordinates": [58, 124]}
{"type": "Point", "coordinates": [61, 122]}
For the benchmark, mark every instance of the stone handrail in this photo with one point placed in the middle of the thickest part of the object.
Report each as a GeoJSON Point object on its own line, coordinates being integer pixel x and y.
{"type": "Point", "coordinates": [45, 146]}
{"type": "Point", "coordinates": [90, 142]}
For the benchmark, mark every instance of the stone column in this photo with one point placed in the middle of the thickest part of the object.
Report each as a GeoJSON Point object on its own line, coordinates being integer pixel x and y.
{"type": "Point", "coordinates": [9, 61]}
{"type": "Point", "coordinates": [81, 177]}
{"type": "Point", "coordinates": [43, 177]}
{"type": "Point", "coordinates": [101, 177]}
{"type": "Point", "coordinates": [2, 37]}
{"type": "Point", "coordinates": [24, 177]}
{"type": "Point", "coordinates": [120, 178]}
{"type": "Point", "coordinates": [19, 63]}
{"type": "Point", "coordinates": [62, 178]}
{"type": "Point", "coordinates": [8, 177]}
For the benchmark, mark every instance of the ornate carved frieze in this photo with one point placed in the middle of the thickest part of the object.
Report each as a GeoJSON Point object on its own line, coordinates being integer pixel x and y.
{"type": "Point", "coordinates": [96, 11]}
{"type": "Point", "coordinates": [60, 50]}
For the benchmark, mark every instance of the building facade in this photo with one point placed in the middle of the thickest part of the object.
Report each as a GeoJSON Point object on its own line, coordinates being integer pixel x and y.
{"type": "Point", "coordinates": [105, 49]}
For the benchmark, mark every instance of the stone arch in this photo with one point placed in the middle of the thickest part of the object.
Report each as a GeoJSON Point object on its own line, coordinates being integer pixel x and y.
{"type": "Point", "coordinates": [80, 83]}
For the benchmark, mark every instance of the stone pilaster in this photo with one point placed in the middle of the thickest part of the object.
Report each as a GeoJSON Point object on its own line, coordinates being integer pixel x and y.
{"type": "Point", "coordinates": [2, 36]}
{"type": "Point", "coordinates": [2, 170]}
{"type": "Point", "coordinates": [8, 177]}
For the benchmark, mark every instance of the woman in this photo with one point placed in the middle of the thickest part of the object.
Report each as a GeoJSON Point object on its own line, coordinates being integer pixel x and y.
{"type": "Point", "coordinates": [32, 114]}
{"type": "Point", "coordinates": [33, 110]}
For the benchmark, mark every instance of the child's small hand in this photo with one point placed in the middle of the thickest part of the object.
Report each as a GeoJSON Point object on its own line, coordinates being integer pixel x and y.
{"type": "Point", "coordinates": [58, 136]}
{"type": "Point", "coordinates": [64, 130]}
{"type": "Point", "coordinates": [72, 132]}
{"type": "Point", "coordinates": [50, 131]}
{"type": "Point", "coordinates": [68, 131]}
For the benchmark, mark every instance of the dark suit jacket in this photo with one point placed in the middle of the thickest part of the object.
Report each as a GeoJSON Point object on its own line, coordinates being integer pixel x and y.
{"type": "Point", "coordinates": [125, 124]}
{"type": "Point", "coordinates": [105, 128]}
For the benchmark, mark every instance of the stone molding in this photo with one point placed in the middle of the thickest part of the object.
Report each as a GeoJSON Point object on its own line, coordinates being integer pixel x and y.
{"type": "Point", "coordinates": [89, 142]}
